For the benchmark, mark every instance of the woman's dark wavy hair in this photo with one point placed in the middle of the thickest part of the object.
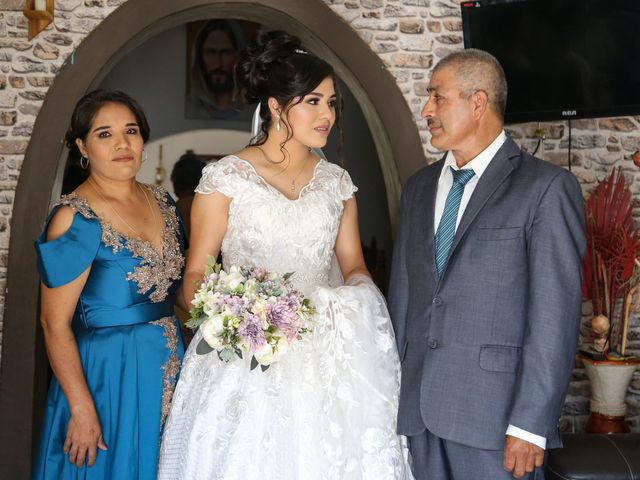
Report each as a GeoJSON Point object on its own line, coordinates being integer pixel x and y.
{"type": "Point", "coordinates": [277, 66]}
{"type": "Point", "coordinates": [87, 108]}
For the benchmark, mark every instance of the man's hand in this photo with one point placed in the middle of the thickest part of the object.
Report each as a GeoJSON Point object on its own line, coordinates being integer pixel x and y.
{"type": "Point", "coordinates": [521, 457]}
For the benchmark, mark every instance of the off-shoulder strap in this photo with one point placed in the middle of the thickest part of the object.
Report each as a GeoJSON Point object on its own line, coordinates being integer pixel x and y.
{"type": "Point", "coordinates": [220, 176]}
{"type": "Point", "coordinates": [63, 259]}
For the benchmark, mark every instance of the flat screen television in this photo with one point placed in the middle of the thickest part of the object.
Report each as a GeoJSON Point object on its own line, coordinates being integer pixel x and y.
{"type": "Point", "coordinates": [562, 58]}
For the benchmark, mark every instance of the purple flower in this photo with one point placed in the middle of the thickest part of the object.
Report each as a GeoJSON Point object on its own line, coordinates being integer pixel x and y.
{"type": "Point", "coordinates": [292, 300]}
{"type": "Point", "coordinates": [250, 330]}
{"type": "Point", "coordinates": [258, 273]}
{"type": "Point", "coordinates": [234, 304]}
{"type": "Point", "coordinates": [282, 316]}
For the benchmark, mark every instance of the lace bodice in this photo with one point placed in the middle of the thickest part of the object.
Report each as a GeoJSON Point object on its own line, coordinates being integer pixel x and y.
{"type": "Point", "coordinates": [267, 229]}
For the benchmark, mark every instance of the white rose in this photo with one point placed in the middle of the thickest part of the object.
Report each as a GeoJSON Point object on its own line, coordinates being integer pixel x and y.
{"type": "Point", "coordinates": [210, 305]}
{"type": "Point", "coordinates": [211, 331]}
{"type": "Point", "coordinates": [216, 322]}
{"type": "Point", "coordinates": [258, 307]}
{"type": "Point", "coordinates": [265, 355]}
{"type": "Point", "coordinates": [234, 280]}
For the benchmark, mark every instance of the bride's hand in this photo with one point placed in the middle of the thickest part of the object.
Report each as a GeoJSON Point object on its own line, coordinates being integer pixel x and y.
{"type": "Point", "coordinates": [84, 437]}
{"type": "Point", "coordinates": [358, 279]}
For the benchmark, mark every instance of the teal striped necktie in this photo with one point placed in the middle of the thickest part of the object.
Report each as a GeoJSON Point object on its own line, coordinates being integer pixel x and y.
{"type": "Point", "coordinates": [447, 226]}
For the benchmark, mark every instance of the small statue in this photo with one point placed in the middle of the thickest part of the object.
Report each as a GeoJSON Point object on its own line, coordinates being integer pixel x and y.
{"type": "Point", "coordinates": [600, 326]}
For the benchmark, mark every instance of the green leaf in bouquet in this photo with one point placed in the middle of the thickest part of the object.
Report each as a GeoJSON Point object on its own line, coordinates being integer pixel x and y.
{"type": "Point", "coordinates": [203, 347]}
{"type": "Point", "coordinates": [264, 367]}
{"type": "Point", "coordinates": [287, 276]}
{"type": "Point", "coordinates": [211, 266]}
{"type": "Point", "coordinates": [225, 354]}
{"type": "Point", "coordinates": [254, 363]}
{"type": "Point", "coordinates": [238, 352]}
{"type": "Point", "coordinates": [197, 317]}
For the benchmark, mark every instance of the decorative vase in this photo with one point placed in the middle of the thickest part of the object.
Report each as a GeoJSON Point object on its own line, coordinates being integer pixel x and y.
{"type": "Point", "coordinates": [609, 385]}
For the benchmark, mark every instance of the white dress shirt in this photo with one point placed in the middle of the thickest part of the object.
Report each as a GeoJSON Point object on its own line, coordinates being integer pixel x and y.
{"type": "Point", "coordinates": [479, 164]}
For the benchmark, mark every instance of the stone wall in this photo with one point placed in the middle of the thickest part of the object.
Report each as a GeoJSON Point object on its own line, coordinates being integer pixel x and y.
{"type": "Point", "coordinates": [409, 35]}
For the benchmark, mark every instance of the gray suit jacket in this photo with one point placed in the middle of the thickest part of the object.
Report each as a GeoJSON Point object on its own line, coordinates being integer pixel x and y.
{"type": "Point", "coordinates": [492, 341]}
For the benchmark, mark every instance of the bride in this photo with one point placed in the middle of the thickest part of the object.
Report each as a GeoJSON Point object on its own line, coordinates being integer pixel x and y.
{"type": "Point", "coordinates": [327, 409]}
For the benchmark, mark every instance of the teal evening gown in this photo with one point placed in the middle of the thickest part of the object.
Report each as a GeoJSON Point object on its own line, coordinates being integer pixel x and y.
{"type": "Point", "coordinates": [129, 341]}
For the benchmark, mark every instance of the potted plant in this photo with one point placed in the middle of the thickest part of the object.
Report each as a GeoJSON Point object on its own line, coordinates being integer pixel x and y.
{"type": "Point", "coordinates": [611, 276]}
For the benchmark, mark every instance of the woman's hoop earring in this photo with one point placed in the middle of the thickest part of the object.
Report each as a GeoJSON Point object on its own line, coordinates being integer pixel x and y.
{"type": "Point", "coordinates": [278, 124]}
{"type": "Point", "coordinates": [84, 165]}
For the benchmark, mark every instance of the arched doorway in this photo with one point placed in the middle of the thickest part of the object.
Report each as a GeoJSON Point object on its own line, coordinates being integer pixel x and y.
{"type": "Point", "coordinates": [397, 141]}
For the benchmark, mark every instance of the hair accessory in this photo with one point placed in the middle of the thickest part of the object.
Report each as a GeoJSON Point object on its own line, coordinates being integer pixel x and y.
{"type": "Point", "coordinates": [84, 165]}
{"type": "Point", "coordinates": [299, 50]}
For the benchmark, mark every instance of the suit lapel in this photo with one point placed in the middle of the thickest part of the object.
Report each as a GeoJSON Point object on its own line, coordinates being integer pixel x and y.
{"type": "Point", "coordinates": [426, 209]}
{"type": "Point", "coordinates": [498, 170]}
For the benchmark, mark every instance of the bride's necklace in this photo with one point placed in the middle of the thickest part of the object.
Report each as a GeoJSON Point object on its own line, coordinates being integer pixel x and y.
{"type": "Point", "coordinates": [292, 185]}
{"type": "Point", "coordinates": [153, 214]}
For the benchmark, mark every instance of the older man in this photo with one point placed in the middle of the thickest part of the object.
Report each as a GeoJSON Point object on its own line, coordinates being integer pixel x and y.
{"type": "Point", "coordinates": [485, 287]}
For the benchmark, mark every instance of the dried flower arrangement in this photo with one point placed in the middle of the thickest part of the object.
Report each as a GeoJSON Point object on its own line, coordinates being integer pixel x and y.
{"type": "Point", "coordinates": [611, 270]}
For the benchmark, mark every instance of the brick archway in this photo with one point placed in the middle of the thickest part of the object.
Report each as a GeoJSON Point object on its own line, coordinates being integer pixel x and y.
{"type": "Point", "coordinates": [23, 369]}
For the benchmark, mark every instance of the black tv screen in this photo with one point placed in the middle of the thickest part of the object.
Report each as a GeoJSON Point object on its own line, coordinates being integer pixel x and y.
{"type": "Point", "coordinates": [562, 58]}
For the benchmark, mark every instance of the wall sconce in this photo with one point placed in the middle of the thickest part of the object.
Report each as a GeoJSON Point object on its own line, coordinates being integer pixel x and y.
{"type": "Point", "coordinates": [39, 13]}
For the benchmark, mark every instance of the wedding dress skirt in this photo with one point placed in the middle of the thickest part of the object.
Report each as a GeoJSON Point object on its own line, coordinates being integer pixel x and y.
{"type": "Point", "coordinates": [325, 410]}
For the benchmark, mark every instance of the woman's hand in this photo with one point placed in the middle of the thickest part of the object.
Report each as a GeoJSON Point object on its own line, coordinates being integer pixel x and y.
{"type": "Point", "coordinates": [84, 437]}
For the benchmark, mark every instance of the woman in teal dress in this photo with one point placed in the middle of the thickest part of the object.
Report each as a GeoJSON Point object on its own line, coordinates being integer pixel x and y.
{"type": "Point", "coordinates": [110, 259]}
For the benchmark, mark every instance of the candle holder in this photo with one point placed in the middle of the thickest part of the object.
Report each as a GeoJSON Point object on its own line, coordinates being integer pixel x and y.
{"type": "Point", "coordinates": [40, 15]}
{"type": "Point", "coordinates": [161, 173]}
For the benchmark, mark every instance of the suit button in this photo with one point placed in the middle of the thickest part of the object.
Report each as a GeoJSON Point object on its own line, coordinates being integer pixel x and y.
{"type": "Point", "coordinates": [433, 344]}
{"type": "Point", "coordinates": [437, 301]}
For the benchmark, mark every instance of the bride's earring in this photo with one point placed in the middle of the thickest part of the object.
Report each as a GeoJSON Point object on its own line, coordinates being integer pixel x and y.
{"type": "Point", "coordinates": [278, 124]}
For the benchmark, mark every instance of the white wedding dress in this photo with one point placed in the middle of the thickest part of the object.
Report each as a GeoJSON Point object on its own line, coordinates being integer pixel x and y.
{"type": "Point", "coordinates": [327, 409]}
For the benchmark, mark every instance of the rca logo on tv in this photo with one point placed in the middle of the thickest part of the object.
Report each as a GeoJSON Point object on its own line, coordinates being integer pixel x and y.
{"type": "Point", "coordinates": [569, 113]}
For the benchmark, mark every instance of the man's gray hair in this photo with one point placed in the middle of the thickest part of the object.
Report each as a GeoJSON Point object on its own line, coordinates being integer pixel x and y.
{"type": "Point", "coordinates": [476, 70]}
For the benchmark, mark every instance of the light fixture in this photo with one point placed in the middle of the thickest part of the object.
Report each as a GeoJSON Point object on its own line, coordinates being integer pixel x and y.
{"type": "Point", "coordinates": [161, 173]}
{"type": "Point", "coordinates": [39, 13]}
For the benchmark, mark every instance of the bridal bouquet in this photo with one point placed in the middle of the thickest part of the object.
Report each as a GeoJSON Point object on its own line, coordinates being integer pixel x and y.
{"type": "Point", "coordinates": [248, 310]}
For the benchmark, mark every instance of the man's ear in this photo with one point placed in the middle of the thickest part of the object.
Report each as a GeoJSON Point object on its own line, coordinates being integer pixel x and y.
{"type": "Point", "coordinates": [480, 102]}
{"type": "Point", "coordinates": [81, 147]}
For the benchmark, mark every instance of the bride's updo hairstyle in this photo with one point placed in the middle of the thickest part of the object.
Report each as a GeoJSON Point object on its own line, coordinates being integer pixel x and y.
{"type": "Point", "coordinates": [277, 66]}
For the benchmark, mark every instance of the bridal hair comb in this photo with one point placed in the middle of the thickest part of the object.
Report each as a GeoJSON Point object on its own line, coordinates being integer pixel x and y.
{"type": "Point", "coordinates": [303, 52]}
